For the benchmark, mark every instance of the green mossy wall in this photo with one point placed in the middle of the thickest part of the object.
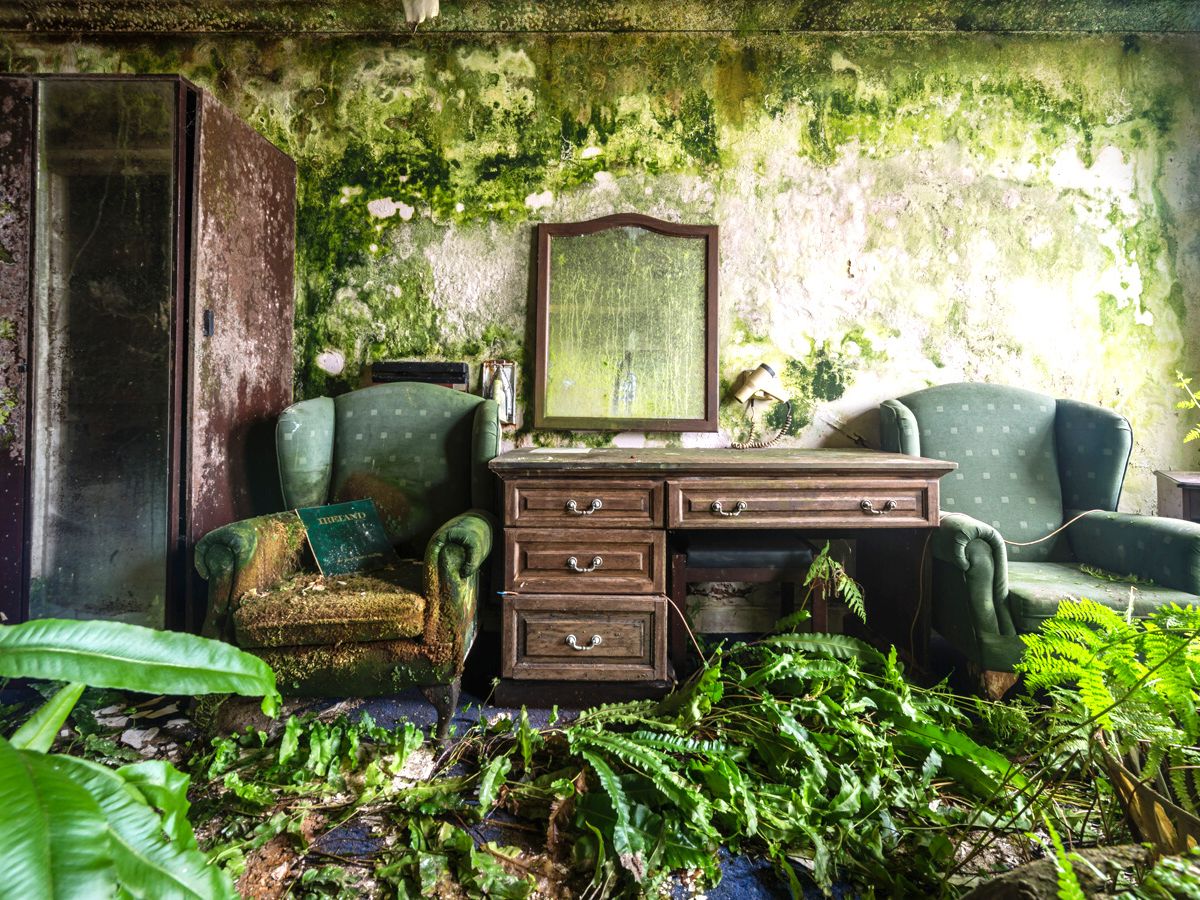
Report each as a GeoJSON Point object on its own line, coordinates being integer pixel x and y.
{"type": "Point", "coordinates": [896, 209]}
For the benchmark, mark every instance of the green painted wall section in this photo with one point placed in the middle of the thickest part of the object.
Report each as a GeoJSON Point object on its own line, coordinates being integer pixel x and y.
{"type": "Point", "coordinates": [516, 16]}
{"type": "Point", "coordinates": [896, 210]}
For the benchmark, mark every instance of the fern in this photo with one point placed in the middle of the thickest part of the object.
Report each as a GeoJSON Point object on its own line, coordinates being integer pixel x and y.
{"type": "Point", "coordinates": [1069, 887]}
{"type": "Point", "coordinates": [665, 779]}
{"type": "Point", "coordinates": [1135, 681]}
{"type": "Point", "coordinates": [828, 575]}
{"type": "Point", "coordinates": [627, 840]}
{"type": "Point", "coordinates": [1190, 401]}
{"type": "Point", "coordinates": [681, 745]}
{"type": "Point", "coordinates": [837, 645]}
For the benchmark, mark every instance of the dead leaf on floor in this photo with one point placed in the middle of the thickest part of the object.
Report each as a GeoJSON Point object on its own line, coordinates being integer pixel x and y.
{"type": "Point", "coordinates": [267, 869]}
{"type": "Point", "coordinates": [138, 738]}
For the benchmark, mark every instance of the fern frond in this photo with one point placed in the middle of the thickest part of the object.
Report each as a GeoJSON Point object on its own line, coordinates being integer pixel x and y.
{"type": "Point", "coordinates": [682, 745]}
{"type": "Point", "coordinates": [1152, 762]}
{"type": "Point", "coordinates": [658, 767]}
{"type": "Point", "coordinates": [839, 646]}
{"type": "Point", "coordinates": [1069, 887]}
{"type": "Point", "coordinates": [1177, 776]}
{"type": "Point", "coordinates": [1097, 698]}
{"type": "Point", "coordinates": [627, 840]}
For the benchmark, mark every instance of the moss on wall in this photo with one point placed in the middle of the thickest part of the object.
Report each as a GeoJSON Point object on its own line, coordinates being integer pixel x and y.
{"type": "Point", "coordinates": [895, 209]}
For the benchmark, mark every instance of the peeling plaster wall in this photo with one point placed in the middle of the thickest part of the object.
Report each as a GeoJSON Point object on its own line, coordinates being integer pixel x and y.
{"type": "Point", "coordinates": [896, 209]}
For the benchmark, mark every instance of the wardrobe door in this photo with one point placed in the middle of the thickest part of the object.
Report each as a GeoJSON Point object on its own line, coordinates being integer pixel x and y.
{"type": "Point", "coordinates": [16, 184]}
{"type": "Point", "coordinates": [104, 243]}
{"type": "Point", "coordinates": [242, 300]}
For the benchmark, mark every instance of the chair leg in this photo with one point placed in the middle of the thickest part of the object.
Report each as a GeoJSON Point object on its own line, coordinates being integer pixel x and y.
{"type": "Point", "coordinates": [444, 698]}
{"type": "Point", "coordinates": [997, 684]}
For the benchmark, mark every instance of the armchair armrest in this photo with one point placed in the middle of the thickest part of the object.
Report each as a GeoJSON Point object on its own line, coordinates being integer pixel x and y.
{"type": "Point", "coordinates": [1166, 551]}
{"type": "Point", "coordinates": [453, 558]}
{"type": "Point", "coordinates": [977, 550]}
{"type": "Point", "coordinates": [953, 537]}
{"type": "Point", "coordinates": [464, 542]}
{"type": "Point", "coordinates": [251, 554]}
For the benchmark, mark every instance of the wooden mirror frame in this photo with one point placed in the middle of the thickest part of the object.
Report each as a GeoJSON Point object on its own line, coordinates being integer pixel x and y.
{"type": "Point", "coordinates": [545, 232]}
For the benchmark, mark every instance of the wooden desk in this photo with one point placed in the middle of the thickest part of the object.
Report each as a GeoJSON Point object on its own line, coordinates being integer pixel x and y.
{"type": "Point", "coordinates": [1179, 495]}
{"type": "Point", "coordinates": [585, 543]}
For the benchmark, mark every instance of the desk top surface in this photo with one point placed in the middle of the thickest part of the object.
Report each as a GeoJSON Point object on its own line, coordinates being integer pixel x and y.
{"type": "Point", "coordinates": [1184, 479]}
{"type": "Point", "coordinates": [715, 461]}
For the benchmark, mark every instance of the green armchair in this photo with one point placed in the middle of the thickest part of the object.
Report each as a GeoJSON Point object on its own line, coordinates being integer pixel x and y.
{"type": "Point", "coordinates": [1027, 464]}
{"type": "Point", "coordinates": [421, 452]}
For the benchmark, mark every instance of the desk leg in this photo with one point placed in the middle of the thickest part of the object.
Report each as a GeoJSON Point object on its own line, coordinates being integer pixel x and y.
{"type": "Point", "coordinates": [896, 580]}
{"type": "Point", "coordinates": [677, 629]}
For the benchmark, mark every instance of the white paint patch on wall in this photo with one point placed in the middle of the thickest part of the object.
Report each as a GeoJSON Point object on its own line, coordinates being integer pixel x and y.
{"type": "Point", "coordinates": [480, 278]}
{"type": "Point", "coordinates": [386, 207]}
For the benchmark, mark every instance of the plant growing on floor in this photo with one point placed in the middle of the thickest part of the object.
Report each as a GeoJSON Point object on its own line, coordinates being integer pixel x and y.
{"type": "Point", "coordinates": [1127, 693]}
{"type": "Point", "coordinates": [73, 828]}
{"type": "Point", "coordinates": [809, 749]}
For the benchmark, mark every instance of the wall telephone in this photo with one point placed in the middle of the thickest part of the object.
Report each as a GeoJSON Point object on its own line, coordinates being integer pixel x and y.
{"type": "Point", "coordinates": [762, 384]}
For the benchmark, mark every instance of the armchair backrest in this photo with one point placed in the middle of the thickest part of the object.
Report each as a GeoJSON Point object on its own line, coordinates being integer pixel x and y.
{"type": "Point", "coordinates": [420, 451]}
{"type": "Point", "coordinates": [1024, 459]}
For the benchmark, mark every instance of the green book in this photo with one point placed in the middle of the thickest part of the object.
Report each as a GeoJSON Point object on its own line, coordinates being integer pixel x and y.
{"type": "Point", "coordinates": [347, 537]}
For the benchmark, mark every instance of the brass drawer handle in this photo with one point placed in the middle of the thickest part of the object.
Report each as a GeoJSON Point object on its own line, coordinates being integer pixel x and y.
{"type": "Point", "coordinates": [596, 641]}
{"type": "Point", "coordinates": [573, 507]}
{"type": "Point", "coordinates": [573, 564]}
{"type": "Point", "coordinates": [868, 507]}
{"type": "Point", "coordinates": [738, 509]}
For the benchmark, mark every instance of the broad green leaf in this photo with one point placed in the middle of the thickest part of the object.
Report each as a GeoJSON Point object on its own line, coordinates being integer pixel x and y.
{"type": "Point", "coordinates": [133, 658]}
{"type": "Point", "coordinates": [665, 779]}
{"type": "Point", "coordinates": [291, 740]}
{"type": "Point", "coordinates": [54, 842]}
{"type": "Point", "coordinates": [42, 727]}
{"type": "Point", "coordinates": [147, 864]}
{"type": "Point", "coordinates": [956, 747]}
{"type": "Point", "coordinates": [491, 781]}
{"type": "Point", "coordinates": [165, 787]}
{"type": "Point", "coordinates": [628, 843]}
{"type": "Point", "coordinates": [840, 646]}
{"type": "Point", "coordinates": [485, 877]}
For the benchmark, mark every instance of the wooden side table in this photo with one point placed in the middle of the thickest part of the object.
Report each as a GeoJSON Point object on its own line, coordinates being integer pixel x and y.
{"type": "Point", "coordinates": [1179, 495]}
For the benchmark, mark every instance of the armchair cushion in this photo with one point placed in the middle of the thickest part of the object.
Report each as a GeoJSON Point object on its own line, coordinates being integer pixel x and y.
{"type": "Point", "coordinates": [310, 609]}
{"type": "Point", "coordinates": [1036, 589]}
{"type": "Point", "coordinates": [1003, 440]}
{"type": "Point", "coordinates": [1094, 444]}
{"type": "Point", "coordinates": [357, 669]}
{"type": "Point", "coordinates": [409, 447]}
{"type": "Point", "coordinates": [1165, 551]}
{"type": "Point", "coordinates": [304, 448]}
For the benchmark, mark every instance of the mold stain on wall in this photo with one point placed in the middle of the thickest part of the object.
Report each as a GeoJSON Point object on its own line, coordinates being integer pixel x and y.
{"type": "Point", "coordinates": [896, 210]}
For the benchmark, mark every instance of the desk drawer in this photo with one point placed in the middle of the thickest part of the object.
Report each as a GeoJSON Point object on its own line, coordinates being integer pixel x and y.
{"type": "Point", "coordinates": [824, 502]}
{"type": "Point", "coordinates": [611, 638]}
{"type": "Point", "coordinates": [584, 561]}
{"type": "Point", "coordinates": [583, 503]}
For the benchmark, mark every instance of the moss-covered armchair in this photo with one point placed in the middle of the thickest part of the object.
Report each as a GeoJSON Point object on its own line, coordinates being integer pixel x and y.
{"type": "Point", "coordinates": [421, 453]}
{"type": "Point", "coordinates": [1027, 464]}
